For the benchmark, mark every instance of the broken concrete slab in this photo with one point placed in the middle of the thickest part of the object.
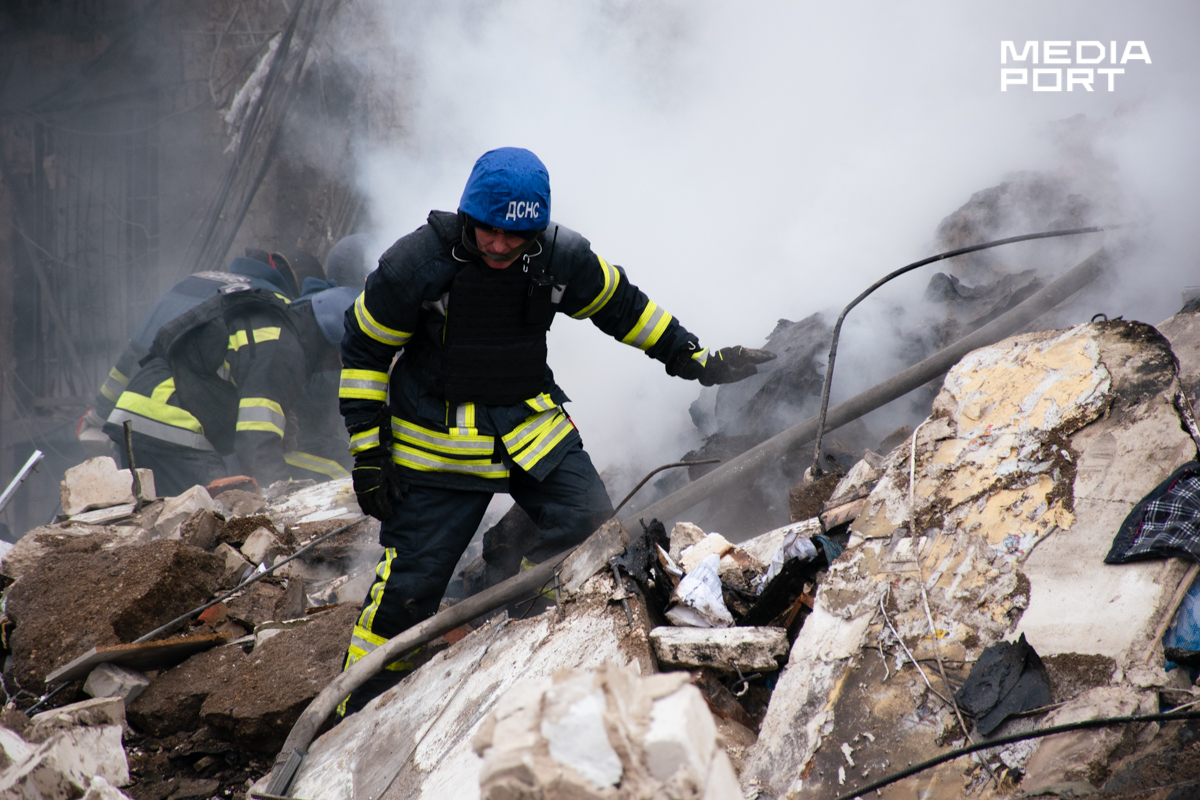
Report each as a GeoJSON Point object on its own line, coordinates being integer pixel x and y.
{"type": "Point", "coordinates": [725, 649]}
{"type": "Point", "coordinates": [241, 503]}
{"type": "Point", "coordinates": [683, 536]}
{"type": "Point", "coordinates": [112, 680]}
{"type": "Point", "coordinates": [95, 713]}
{"type": "Point", "coordinates": [98, 483]}
{"type": "Point", "coordinates": [258, 705]}
{"type": "Point", "coordinates": [608, 733]}
{"type": "Point", "coordinates": [63, 767]}
{"type": "Point", "coordinates": [102, 515]}
{"type": "Point", "coordinates": [324, 501]}
{"type": "Point", "coordinates": [177, 509]}
{"type": "Point", "coordinates": [1038, 447]}
{"type": "Point", "coordinates": [64, 750]}
{"type": "Point", "coordinates": [201, 530]}
{"type": "Point", "coordinates": [445, 701]}
{"type": "Point", "coordinates": [173, 700]}
{"type": "Point", "coordinates": [129, 592]}
{"type": "Point", "coordinates": [155, 655]}
{"type": "Point", "coordinates": [236, 568]}
{"type": "Point", "coordinates": [261, 546]}
{"type": "Point", "coordinates": [609, 540]}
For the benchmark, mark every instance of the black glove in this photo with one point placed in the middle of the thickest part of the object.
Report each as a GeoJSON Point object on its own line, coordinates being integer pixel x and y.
{"type": "Point", "coordinates": [728, 365]}
{"type": "Point", "coordinates": [376, 482]}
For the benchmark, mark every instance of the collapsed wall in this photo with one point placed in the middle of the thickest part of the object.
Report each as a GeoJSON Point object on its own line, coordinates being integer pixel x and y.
{"type": "Point", "coordinates": [1036, 450]}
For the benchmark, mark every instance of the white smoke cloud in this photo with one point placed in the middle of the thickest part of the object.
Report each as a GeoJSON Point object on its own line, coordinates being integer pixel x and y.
{"type": "Point", "coordinates": [752, 161]}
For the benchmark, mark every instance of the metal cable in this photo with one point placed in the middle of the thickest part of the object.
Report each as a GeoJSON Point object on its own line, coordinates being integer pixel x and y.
{"type": "Point", "coordinates": [837, 328]}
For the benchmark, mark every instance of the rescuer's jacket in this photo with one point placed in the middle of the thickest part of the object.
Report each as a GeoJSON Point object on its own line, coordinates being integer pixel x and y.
{"type": "Point", "coordinates": [472, 393]}
{"type": "Point", "coordinates": [225, 375]}
{"type": "Point", "coordinates": [184, 295]}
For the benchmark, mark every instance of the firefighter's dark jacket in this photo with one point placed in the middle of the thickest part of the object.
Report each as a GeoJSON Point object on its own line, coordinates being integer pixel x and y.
{"type": "Point", "coordinates": [472, 445]}
{"type": "Point", "coordinates": [184, 295]}
{"type": "Point", "coordinates": [229, 385]}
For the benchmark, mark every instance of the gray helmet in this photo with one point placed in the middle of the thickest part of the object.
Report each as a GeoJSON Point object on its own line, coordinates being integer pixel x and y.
{"type": "Point", "coordinates": [329, 308]}
{"type": "Point", "coordinates": [350, 261]}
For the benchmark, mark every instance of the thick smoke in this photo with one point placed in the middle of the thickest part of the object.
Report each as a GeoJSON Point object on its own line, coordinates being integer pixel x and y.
{"type": "Point", "coordinates": [751, 162]}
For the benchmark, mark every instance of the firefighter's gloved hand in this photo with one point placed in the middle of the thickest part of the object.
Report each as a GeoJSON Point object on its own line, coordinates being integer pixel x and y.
{"type": "Point", "coordinates": [376, 482]}
{"type": "Point", "coordinates": [731, 364]}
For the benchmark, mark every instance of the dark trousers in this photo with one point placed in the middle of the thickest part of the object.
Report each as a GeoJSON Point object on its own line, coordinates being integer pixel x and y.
{"type": "Point", "coordinates": [428, 532]}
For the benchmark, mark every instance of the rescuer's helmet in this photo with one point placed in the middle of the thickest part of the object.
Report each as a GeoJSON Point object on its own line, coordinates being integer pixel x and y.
{"type": "Point", "coordinates": [509, 189]}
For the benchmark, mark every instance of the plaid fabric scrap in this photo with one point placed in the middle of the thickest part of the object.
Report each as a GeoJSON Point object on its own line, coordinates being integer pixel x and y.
{"type": "Point", "coordinates": [1165, 523]}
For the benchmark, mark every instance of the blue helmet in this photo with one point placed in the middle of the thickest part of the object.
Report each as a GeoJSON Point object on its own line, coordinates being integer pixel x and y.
{"type": "Point", "coordinates": [509, 188]}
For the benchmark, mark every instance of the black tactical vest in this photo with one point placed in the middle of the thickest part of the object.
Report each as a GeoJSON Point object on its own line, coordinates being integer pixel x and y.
{"type": "Point", "coordinates": [494, 339]}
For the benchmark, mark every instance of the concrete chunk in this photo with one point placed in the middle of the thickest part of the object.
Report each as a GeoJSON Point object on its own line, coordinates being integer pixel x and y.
{"type": "Point", "coordinates": [63, 768]}
{"type": "Point", "coordinates": [177, 509]}
{"type": "Point", "coordinates": [748, 649]}
{"type": "Point", "coordinates": [236, 567]}
{"type": "Point", "coordinates": [112, 680]}
{"type": "Point", "coordinates": [683, 536]}
{"type": "Point", "coordinates": [592, 556]}
{"type": "Point", "coordinates": [95, 713]}
{"type": "Point", "coordinates": [682, 734]}
{"type": "Point", "coordinates": [99, 483]}
{"type": "Point", "coordinates": [260, 546]}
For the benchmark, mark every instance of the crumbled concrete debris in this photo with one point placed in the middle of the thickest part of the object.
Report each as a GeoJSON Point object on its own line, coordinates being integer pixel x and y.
{"type": "Point", "coordinates": [241, 503]}
{"type": "Point", "coordinates": [261, 546]}
{"type": "Point", "coordinates": [201, 530]}
{"type": "Point", "coordinates": [683, 536]}
{"type": "Point", "coordinates": [737, 567]}
{"type": "Point", "coordinates": [236, 569]}
{"type": "Point", "coordinates": [173, 700]}
{"type": "Point", "coordinates": [64, 606]}
{"type": "Point", "coordinates": [433, 714]}
{"type": "Point", "coordinates": [261, 602]}
{"type": "Point", "coordinates": [177, 509]}
{"type": "Point", "coordinates": [65, 750]}
{"type": "Point", "coordinates": [1038, 448]}
{"type": "Point", "coordinates": [256, 706]}
{"type": "Point", "coordinates": [98, 483]}
{"type": "Point", "coordinates": [592, 556]}
{"type": "Point", "coordinates": [726, 649]}
{"type": "Point", "coordinates": [1081, 757]}
{"type": "Point", "coordinates": [610, 733]}
{"type": "Point", "coordinates": [112, 680]}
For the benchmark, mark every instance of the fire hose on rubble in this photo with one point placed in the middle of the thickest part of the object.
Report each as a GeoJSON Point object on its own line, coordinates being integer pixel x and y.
{"type": "Point", "coordinates": [287, 764]}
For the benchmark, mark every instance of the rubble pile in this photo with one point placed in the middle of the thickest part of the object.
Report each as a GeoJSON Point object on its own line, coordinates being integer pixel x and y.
{"type": "Point", "coordinates": [203, 705]}
{"type": "Point", "coordinates": [950, 590]}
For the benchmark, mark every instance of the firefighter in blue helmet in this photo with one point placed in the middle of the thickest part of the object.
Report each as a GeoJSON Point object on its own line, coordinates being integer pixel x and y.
{"type": "Point", "coordinates": [474, 408]}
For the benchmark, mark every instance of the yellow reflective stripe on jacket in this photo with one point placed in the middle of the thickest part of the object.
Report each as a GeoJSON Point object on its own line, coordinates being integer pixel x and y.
{"type": "Point", "coordinates": [152, 416]}
{"type": "Point", "coordinates": [548, 435]}
{"type": "Point", "coordinates": [611, 279]}
{"type": "Point", "coordinates": [522, 435]}
{"type": "Point", "coordinates": [540, 403]}
{"type": "Point", "coordinates": [649, 327]}
{"type": "Point", "coordinates": [464, 419]}
{"type": "Point", "coordinates": [322, 466]}
{"type": "Point", "coordinates": [364, 440]}
{"type": "Point", "coordinates": [239, 340]}
{"type": "Point", "coordinates": [260, 414]}
{"type": "Point", "coordinates": [363, 384]}
{"type": "Point", "coordinates": [362, 642]}
{"type": "Point", "coordinates": [463, 445]}
{"type": "Point", "coordinates": [428, 462]}
{"type": "Point", "coordinates": [114, 384]}
{"type": "Point", "coordinates": [380, 333]}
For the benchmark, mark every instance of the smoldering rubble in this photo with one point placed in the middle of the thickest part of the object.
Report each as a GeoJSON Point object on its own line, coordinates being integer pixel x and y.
{"type": "Point", "coordinates": [807, 661]}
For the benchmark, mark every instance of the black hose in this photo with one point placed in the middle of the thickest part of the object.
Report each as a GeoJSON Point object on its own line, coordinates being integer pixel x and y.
{"type": "Point", "coordinates": [837, 328]}
{"type": "Point", "coordinates": [1104, 722]}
